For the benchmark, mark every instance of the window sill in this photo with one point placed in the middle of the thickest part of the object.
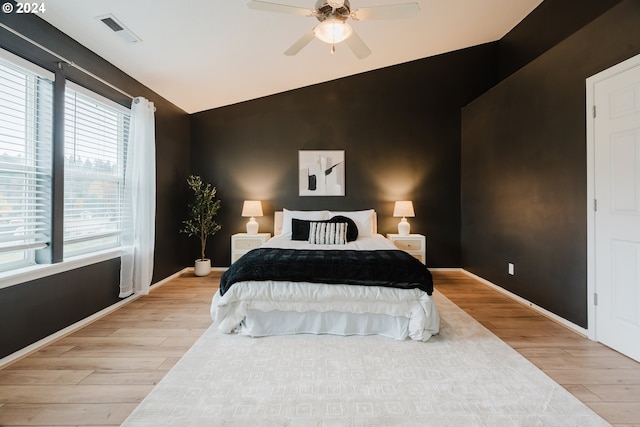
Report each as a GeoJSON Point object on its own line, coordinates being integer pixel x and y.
{"type": "Point", "coordinates": [27, 274]}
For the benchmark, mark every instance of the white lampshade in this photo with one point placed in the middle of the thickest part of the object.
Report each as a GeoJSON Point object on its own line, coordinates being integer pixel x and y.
{"type": "Point", "coordinates": [252, 208]}
{"type": "Point", "coordinates": [404, 209]}
{"type": "Point", "coordinates": [332, 31]}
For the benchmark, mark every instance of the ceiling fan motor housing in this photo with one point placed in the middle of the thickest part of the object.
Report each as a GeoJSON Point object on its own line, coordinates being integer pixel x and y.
{"type": "Point", "coordinates": [326, 9]}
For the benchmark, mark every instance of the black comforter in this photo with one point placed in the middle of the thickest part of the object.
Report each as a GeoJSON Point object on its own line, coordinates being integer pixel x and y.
{"type": "Point", "coordinates": [390, 268]}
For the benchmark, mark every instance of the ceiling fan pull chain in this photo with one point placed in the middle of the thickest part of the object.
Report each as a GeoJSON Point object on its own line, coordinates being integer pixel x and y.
{"type": "Point", "coordinates": [333, 42]}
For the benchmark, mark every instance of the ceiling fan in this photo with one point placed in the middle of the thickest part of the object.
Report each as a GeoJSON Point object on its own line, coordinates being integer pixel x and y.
{"type": "Point", "coordinates": [333, 27]}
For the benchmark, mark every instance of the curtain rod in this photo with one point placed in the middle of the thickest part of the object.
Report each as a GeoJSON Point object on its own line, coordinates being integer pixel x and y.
{"type": "Point", "coordinates": [65, 60]}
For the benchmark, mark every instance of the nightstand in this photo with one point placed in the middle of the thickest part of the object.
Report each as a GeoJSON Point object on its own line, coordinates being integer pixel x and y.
{"type": "Point", "coordinates": [241, 243]}
{"type": "Point", "coordinates": [414, 244]}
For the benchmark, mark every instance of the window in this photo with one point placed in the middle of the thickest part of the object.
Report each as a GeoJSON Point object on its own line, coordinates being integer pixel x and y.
{"type": "Point", "coordinates": [25, 161]}
{"type": "Point", "coordinates": [95, 134]}
{"type": "Point", "coordinates": [96, 131]}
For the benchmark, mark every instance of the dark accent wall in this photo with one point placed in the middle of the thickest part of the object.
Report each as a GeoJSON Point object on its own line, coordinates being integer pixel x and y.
{"type": "Point", "coordinates": [524, 168]}
{"type": "Point", "coordinates": [549, 23]}
{"type": "Point", "coordinates": [34, 310]}
{"type": "Point", "coordinates": [399, 127]}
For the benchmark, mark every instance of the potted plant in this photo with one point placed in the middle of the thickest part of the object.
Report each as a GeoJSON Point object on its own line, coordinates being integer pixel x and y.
{"type": "Point", "coordinates": [201, 220]}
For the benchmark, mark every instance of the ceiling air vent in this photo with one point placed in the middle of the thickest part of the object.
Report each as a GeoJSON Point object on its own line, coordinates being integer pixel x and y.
{"type": "Point", "coordinates": [118, 27]}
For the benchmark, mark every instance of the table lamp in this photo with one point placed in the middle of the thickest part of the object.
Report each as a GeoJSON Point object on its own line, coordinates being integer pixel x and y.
{"type": "Point", "coordinates": [252, 208]}
{"type": "Point", "coordinates": [403, 209]}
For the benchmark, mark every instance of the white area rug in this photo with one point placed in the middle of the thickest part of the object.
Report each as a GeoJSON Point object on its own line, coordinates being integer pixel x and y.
{"type": "Point", "coordinates": [465, 376]}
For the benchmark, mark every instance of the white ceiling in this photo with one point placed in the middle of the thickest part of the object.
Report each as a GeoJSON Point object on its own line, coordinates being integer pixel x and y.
{"type": "Point", "coordinates": [203, 54]}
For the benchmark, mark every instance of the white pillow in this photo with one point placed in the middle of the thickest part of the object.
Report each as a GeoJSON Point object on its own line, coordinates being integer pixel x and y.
{"type": "Point", "coordinates": [288, 215]}
{"type": "Point", "coordinates": [365, 221]}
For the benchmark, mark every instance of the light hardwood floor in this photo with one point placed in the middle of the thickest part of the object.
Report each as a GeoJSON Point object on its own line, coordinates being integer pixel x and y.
{"type": "Point", "coordinates": [97, 375]}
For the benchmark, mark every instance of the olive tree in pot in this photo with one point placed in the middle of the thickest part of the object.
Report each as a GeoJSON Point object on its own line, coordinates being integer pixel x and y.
{"type": "Point", "coordinates": [201, 222]}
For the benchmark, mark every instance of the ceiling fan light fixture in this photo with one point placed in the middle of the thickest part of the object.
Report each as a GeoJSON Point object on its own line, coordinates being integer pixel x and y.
{"type": "Point", "coordinates": [333, 31]}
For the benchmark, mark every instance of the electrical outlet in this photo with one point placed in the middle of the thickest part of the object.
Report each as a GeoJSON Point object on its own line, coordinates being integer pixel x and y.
{"type": "Point", "coordinates": [512, 269]}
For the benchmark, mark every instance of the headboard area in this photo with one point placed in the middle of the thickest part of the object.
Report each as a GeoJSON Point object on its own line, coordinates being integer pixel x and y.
{"type": "Point", "coordinates": [278, 217]}
{"type": "Point", "coordinates": [369, 218]}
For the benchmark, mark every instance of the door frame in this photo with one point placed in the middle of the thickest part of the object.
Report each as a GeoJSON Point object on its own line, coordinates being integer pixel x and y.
{"type": "Point", "coordinates": [591, 257]}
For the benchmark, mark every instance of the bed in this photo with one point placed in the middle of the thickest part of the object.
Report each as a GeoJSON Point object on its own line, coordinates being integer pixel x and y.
{"type": "Point", "coordinates": [314, 277]}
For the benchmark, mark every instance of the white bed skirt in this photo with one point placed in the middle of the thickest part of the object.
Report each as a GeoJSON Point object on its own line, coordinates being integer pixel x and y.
{"type": "Point", "coordinates": [282, 308]}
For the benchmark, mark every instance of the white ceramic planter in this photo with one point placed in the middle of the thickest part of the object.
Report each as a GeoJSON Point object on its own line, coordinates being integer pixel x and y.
{"type": "Point", "coordinates": [202, 267]}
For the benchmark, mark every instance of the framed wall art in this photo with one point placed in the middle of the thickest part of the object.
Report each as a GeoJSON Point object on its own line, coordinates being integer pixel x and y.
{"type": "Point", "coordinates": [321, 172]}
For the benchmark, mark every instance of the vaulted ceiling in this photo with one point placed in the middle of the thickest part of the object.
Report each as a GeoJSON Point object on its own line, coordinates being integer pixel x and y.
{"type": "Point", "coordinates": [203, 54]}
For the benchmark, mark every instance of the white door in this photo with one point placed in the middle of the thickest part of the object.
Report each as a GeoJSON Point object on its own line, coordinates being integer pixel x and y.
{"type": "Point", "coordinates": [617, 216]}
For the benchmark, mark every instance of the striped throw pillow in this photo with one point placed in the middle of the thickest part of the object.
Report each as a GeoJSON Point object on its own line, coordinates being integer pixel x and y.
{"type": "Point", "coordinates": [328, 233]}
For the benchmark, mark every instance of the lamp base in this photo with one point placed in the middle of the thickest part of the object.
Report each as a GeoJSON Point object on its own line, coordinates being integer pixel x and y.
{"type": "Point", "coordinates": [252, 226]}
{"type": "Point", "coordinates": [403, 227]}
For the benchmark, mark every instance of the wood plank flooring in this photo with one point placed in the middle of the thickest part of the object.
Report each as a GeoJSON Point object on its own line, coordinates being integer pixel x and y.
{"type": "Point", "coordinates": [98, 375]}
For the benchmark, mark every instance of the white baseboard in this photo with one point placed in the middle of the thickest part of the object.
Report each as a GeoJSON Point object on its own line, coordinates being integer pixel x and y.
{"type": "Point", "coordinates": [13, 357]}
{"type": "Point", "coordinates": [562, 321]}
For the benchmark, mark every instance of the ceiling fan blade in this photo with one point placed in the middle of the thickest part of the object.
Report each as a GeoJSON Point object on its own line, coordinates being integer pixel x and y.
{"type": "Point", "coordinates": [302, 42]}
{"type": "Point", "coordinates": [357, 46]}
{"type": "Point", "coordinates": [392, 11]}
{"type": "Point", "coordinates": [280, 8]}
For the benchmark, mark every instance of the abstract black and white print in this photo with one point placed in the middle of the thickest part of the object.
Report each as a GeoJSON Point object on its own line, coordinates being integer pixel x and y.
{"type": "Point", "coordinates": [321, 172]}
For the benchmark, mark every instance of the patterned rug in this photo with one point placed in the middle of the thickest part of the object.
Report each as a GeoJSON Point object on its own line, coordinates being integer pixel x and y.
{"type": "Point", "coordinates": [465, 376]}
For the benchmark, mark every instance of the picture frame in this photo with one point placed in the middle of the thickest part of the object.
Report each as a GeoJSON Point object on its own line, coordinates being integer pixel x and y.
{"type": "Point", "coordinates": [321, 172]}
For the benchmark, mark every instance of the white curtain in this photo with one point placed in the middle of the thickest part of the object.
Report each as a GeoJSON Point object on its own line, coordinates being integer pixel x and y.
{"type": "Point", "coordinates": [138, 235]}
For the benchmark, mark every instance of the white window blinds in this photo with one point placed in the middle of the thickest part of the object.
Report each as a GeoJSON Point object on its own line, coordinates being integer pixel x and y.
{"type": "Point", "coordinates": [96, 131]}
{"type": "Point", "coordinates": [25, 162]}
